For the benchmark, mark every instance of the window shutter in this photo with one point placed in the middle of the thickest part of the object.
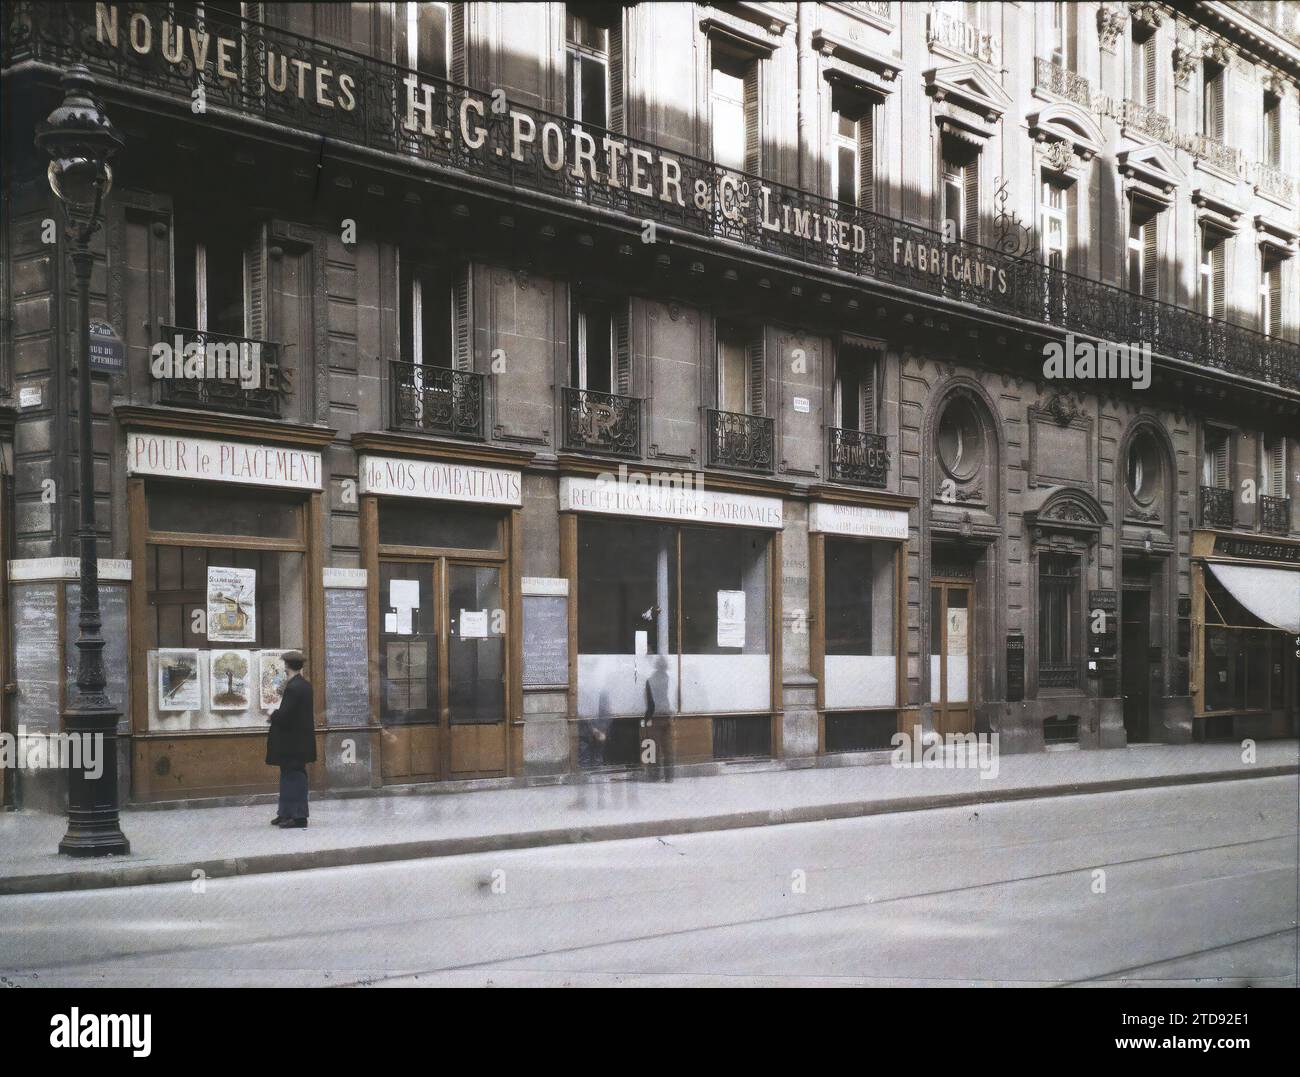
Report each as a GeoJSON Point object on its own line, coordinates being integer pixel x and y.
{"type": "Point", "coordinates": [459, 71]}
{"type": "Point", "coordinates": [753, 154]}
{"type": "Point", "coordinates": [1217, 280]}
{"type": "Point", "coordinates": [1272, 131]}
{"type": "Point", "coordinates": [255, 320]}
{"type": "Point", "coordinates": [867, 397]}
{"type": "Point", "coordinates": [462, 322]}
{"type": "Point", "coordinates": [757, 376]}
{"type": "Point", "coordinates": [623, 350]}
{"type": "Point", "coordinates": [1214, 104]}
{"type": "Point", "coordinates": [1274, 300]}
{"type": "Point", "coordinates": [867, 159]}
{"type": "Point", "coordinates": [616, 119]}
{"type": "Point", "coordinates": [1150, 261]}
{"type": "Point", "coordinates": [1277, 468]}
{"type": "Point", "coordinates": [971, 198]}
{"type": "Point", "coordinates": [1149, 69]}
{"type": "Point", "coordinates": [1218, 460]}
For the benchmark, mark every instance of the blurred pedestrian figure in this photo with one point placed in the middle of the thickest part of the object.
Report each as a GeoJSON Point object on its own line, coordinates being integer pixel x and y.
{"type": "Point", "coordinates": [291, 744]}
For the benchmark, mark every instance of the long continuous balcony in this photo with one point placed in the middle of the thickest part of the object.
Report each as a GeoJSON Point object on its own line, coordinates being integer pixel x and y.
{"type": "Point", "coordinates": [318, 88]}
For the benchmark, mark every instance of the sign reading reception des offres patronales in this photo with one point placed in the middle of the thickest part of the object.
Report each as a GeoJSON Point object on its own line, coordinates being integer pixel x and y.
{"type": "Point", "coordinates": [324, 91]}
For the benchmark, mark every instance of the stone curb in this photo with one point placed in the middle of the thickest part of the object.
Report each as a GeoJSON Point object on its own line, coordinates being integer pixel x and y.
{"type": "Point", "coordinates": [265, 863]}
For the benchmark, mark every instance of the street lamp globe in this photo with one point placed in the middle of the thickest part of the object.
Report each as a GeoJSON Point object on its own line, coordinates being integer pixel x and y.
{"type": "Point", "coordinates": [80, 141]}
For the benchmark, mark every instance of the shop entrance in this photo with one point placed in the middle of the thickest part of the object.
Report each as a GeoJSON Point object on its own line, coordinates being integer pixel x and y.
{"type": "Point", "coordinates": [442, 642]}
{"type": "Point", "coordinates": [1135, 649]}
{"type": "Point", "coordinates": [951, 640]}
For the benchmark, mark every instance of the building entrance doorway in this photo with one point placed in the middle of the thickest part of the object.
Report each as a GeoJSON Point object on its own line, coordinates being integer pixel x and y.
{"type": "Point", "coordinates": [951, 647]}
{"type": "Point", "coordinates": [1135, 676]}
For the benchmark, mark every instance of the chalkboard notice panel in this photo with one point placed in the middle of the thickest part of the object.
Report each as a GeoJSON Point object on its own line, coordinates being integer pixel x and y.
{"type": "Point", "coordinates": [347, 678]}
{"type": "Point", "coordinates": [36, 656]}
{"type": "Point", "coordinates": [546, 640]}
{"type": "Point", "coordinates": [112, 612]}
{"type": "Point", "coordinates": [1015, 667]}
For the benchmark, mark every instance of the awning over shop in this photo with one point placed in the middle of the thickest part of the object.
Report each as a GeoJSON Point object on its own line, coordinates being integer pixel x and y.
{"type": "Point", "coordinates": [1271, 594]}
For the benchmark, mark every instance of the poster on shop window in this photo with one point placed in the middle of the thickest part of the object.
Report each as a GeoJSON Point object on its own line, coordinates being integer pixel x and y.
{"type": "Point", "coordinates": [232, 604]}
{"type": "Point", "coordinates": [731, 618]}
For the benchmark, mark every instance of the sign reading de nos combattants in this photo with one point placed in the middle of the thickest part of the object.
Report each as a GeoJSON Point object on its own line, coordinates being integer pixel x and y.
{"type": "Point", "coordinates": [319, 89]}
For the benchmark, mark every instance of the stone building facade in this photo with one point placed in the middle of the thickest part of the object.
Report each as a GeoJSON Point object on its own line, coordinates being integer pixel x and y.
{"type": "Point", "coordinates": [661, 381]}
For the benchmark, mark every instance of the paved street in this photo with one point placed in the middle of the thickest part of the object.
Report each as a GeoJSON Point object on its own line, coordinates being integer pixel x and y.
{"type": "Point", "coordinates": [1200, 881]}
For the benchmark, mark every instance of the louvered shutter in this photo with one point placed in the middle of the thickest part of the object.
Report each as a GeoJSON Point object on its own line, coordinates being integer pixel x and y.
{"type": "Point", "coordinates": [1221, 463]}
{"type": "Point", "coordinates": [255, 285]}
{"type": "Point", "coordinates": [1150, 261]}
{"type": "Point", "coordinates": [867, 397]}
{"type": "Point", "coordinates": [459, 71]}
{"type": "Point", "coordinates": [753, 152]}
{"type": "Point", "coordinates": [1218, 282]}
{"type": "Point", "coordinates": [1149, 70]}
{"type": "Point", "coordinates": [971, 200]}
{"type": "Point", "coordinates": [1272, 132]}
{"type": "Point", "coordinates": [623, 350]}
{"type": "Point", "coordinates": [462, 321]}
{"type": "Point", "coordinates": [1214, 105]}
{"type": "Point", "coordinates": [1277, 467]}
{"type": "Point", "coordinates": [1274, 300]}
{"type": "Point", "coordinates": [757, 376]}
{"type": "Point", "coordinates": [616, 118]}
{"type": "Point", "coordinates": [867, 159]}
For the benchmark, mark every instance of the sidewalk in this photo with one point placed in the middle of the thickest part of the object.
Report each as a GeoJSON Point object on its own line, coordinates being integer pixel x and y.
{"type": "Point", "coordinates": [169, 846]}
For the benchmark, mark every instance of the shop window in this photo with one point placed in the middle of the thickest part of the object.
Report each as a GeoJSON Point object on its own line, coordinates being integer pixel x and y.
{"type": "Point", "coordinates": [1143, 251]}
{"type": "Point", "coordinates": [741, 369]}
{"type": "Point", "coordinates": [1212, 82]}
{"type": "Point", "coordinates": [600, 347]}
{"type": "Point", "coordinates": [410, 523]}
{"type": "Point", "coordinates": [1143, 468]}
{"type": "Point", "coordinates": [855, 388]}
{"type": "Point", "coordinates": [734, 108]}
{"type": "Point", "coordinates": [219, 273]}
{"type": "Point", "coordinates": [1243, 666]}
{"type": "Point", "coordinates": [1270, 294]}
{"type": "Point", "coordinates": [696, 646]}
{"type": "Point", "coordinates": [1271, 134]}
{"type": "Point", "coordinates": [1145, 65]}
{"type": "Point", "coordinates": [223, 599]}
{"type": "Point", "coordinates": [1214, 282]}
{"type": "Point", "coordinates": [861, 665]}
{"type": "Point", "coordinates": [960, 439]}
{"type": "Point", "coordinates": [1058, 597]}
{"type": "Point", "coordinates": [853, 148]}
{"type": "Point", "coordinates": [960, 186]}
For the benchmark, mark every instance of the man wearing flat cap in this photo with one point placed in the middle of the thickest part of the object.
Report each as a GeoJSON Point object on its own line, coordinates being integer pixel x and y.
{"type": "Point", "coordinates": [291, 744]}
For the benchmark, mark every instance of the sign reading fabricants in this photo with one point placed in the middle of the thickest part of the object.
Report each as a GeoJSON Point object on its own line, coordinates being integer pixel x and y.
{"type": "Point", "coordinates": [398, 477]}
{"type": "Point", "coordinates": [858, 520]}
{"type": "Point", "coordinates": [176, 456]}
{"type": "Point", "coordinates": [615, 497]}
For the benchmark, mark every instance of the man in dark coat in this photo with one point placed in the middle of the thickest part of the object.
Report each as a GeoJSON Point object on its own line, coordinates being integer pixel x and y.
{"type": "Point", "coordinates": [291, 744]}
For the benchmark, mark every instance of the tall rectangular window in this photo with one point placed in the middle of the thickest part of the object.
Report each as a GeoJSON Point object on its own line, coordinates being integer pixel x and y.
{"type": "Point", "coordinates": [1214, 281]}
{"type": "Point", "coordinates": [1054, 223]}
{"type": "Point", "coordinates": [1271, 135]}
{"type": "Point", "coordinates": [855, 389]}
{"type": "Point", "coordinates": [424, 37]}
{"type": "Point", "coordinates": [426, 312]}
{"type": "Point", "coordinates": [598, 353]}
{"type": "Point", "coordinates": [1214, 459]}
{"type": "Point", "coordinates": [218, 273]}
{"type": "Point", "coordinates": [1212, 80]}
{"type": "Point", "coordinates": [741, 371]}
{"type": "Point", "coordinates": [1272, 465]}
{"type": "Point", "coordinates": [1145, 65]}
{"type": "Point", "coordinates": [587, 75]}
{"type": "Point", "coordinates": [1270, 294]}
{"type": "Point", "coordinates": [960, 190]}
{"type": "Point", "coordinates": [1058, 584]}
{"type": "Point", "coordinates": [1061, 37]}
{"type": "Point", "coordinates": [1143, 251]}
{"type": "Point", "coordinates": [734, 109]}
{"type": "Point", "coordinates": [853, 149]}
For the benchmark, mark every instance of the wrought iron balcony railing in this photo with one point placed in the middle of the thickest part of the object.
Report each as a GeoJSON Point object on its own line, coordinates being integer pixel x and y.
{"type": "Point", "coordinates": [437, 400]}
{"type": "Point", "coordinates": [235, 374]}
{"type": "Point", "coordinates": [318, 88]}
{"type": "Point", "coordinates": [740, 441]}
{"type": "Point", "coordinates": [1057, 675]}
{"type": "Point", "coordinates": [1216, 506]}
{"type": "Point", "coordinates": [1274, 514]}
{"type": "Point", "coordinates": [858, 457]}
{"type": "Point", "coordinates": [602, 422]}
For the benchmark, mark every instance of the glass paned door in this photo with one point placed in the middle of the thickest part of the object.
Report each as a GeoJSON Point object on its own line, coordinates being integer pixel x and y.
{"type": "Point", "coordinates": [950, 656]}
{"type": "Point", "coordinates": [409, 709]}
{"type": "Point", "coordinates": [476, 662]}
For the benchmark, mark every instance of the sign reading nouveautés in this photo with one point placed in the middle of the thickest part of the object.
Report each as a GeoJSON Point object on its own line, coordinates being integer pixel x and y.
{"type": "Point", "coordinates": [617, 498]}
{"type": "Point", "coordinates": [858, 520]}
{"type": "Point", "coordinates": [175, 456]}
{"type": "Point", "coordinates": [393, 475]}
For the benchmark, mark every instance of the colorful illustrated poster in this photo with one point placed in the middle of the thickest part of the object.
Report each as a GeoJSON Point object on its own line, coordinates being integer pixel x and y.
{"type": "Point", "coordinates": [230, 676]}
{"type": "Point", "coordinates": [178, 680]}
{"type": "Point", "coordinates": [273, 675]}
{"type": "Point", "coordinates": [232, 605]}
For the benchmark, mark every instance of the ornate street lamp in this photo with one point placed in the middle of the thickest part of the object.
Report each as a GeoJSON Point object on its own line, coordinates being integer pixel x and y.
{"type": "Point", "coordinates": [80, 141]}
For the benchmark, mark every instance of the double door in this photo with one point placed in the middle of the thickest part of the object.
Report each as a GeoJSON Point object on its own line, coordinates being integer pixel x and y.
{"type": "Point", "coordinates": [951, 640]}
{"type": "Point", "coordinates": [442, 664]}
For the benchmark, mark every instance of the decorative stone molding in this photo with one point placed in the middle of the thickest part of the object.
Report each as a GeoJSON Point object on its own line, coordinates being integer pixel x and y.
{"type": "Point", "coordinates": [1217, 51]}
{"type": "Point", "coordinates": [1215, 210]}
{"type": "Point", "coordinates": [1057, 156]}
{"type": "Point", "coordinates": [1062, 409]}
{"type": "Point", "coordinates": [1152, 168]}
{"type": "Point", "coordinates": [1185, 57]}
{"type": "Point", "coordinates": [1110, 25]}
{"type": "Point", "coordinates": [878, 64]}
{"type": "Point", "coordinates": [1147, 13]}
{"type": "Point", "coordinates": [1068, 124]}
{"type": "Point", "coordinates": [970, 86]}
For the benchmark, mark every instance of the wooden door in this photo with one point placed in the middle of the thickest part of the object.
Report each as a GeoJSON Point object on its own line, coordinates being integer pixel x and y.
{"type": "Point", "coordinates": [951, 646]}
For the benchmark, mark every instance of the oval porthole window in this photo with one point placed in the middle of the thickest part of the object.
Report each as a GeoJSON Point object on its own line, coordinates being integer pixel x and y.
{"type": "Point", "coordinates": [1143, 468]}
{"type": "Point", "coordinates": [961, 440]}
